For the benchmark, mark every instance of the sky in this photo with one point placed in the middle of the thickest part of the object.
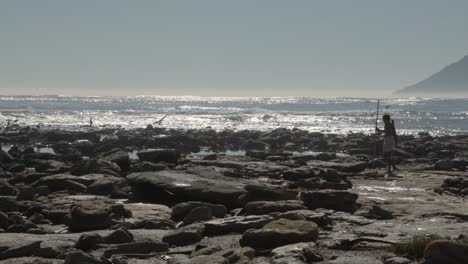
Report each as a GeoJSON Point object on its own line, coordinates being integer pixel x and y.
{"type": "Point", "coordinates": [226, 48]}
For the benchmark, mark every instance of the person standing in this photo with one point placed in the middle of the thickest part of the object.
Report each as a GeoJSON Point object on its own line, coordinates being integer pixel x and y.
{"type": "Point", "coordinates": [389, 143]}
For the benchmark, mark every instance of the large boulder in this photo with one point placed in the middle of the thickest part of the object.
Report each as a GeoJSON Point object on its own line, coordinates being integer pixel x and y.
{"type": "Point", "coordinates": [266, 207]}
{"type": "Point", "coordinates": [8, 204]}
{"type": "Point", "coordinates": [447, 252]}
{"type": "Point", "coordinates": [118, 157]}
{"type": "Point", "coordinates": [236, 224]}
{"type": "Point", "coordinates": [89, 219]}
{"type": "Point", "coordinates": [137, 248]}
{"type": "Point", "coordinates": [179, 211]}
{"type": "Point", "coordinates": [279, 233]}
{"type": "Point", "coordinates": [95, 166]}
{"type": "Point", "coordinates": [184, 236]}
{"type": "Point", "coordinates": [171, 186]}
{"type": "Point", "coordinates": [330, 199]}
{"type": "Point", "coordinates": [159, 155]}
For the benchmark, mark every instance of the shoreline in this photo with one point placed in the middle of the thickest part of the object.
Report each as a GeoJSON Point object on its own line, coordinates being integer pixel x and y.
{"type": "Point", "coordinates": [293, 195]}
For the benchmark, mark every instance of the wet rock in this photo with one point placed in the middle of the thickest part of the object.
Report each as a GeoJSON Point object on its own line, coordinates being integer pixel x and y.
{"type": "Point", "coordinates": [398, 260]}
{"type": "Point", "coordinates": [178, 186]}
{"type": "Point", "coordinates": [254, 145]}
{"type": "Point", "coordinates": [119, 236]}
{"type": "Point", "coordinates": [300, 253]}
{"type": "Point", "coordinates": [264, 192]}
{"type": "Point", "coordinates": [330, 199]}
{"type": "Point", "coordinates": [375, 212]}
{"type": "Point", "coordinates": [137, 248]}
{"type": "Point", "coordinates": [89, 219]}
{"type": "Point", "coordinates": [198, 214]}
{"type": "Point", "coordinates": [4, 221]}
{"type": "Point", "coordinates": [236, 255]}
{"type": "Point", "coordinates": [21, 251]}
{"type": "Point", "coordinates": [443, 165]}
{"type": "Point", "coordinates": [79, 257]}
{"type": "Point", "coordinates": [6, 189]}
{"type": "Point", "coordinates": [8, 204]}
{"type": "Point", "coordinates": [26, 194]}
{"type": "Point", "coordinates": [147, 166]}
{"type": "Point", "coordinates": [109, 186]}
{"type": "Point", "coordinates": [280, 232]}
{"type": "Point", "coordinates": [118, 157]}
{"type": "Point", "coordinates": [320, 218]}
{"type": "Point", "coordinates": [159, 155]}
{"type": "Point", "coordinates": [236, 224]}
{"type": "Point", "coordinates": [266, 207]}
{"type": "Point", "coordinates": [207, 259]}
{"type": "Point", "coordinates": [184, 236]}
{"type": "Point", "coordinates": [179, 211]}
{"type": "Point", "coordinates": [88, 241]}
{"type": "Point", "coordinates": [60, 182]}
{"type": "Point", "coordinates": [95, 166]}
{"type": "Point", "coordinates": [211, 157]}
{"type": "Point", "coordinates": [447, 252]}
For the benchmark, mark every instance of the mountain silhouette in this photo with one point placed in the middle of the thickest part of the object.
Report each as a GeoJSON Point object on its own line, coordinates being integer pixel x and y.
{"type": "Point", "coordinates": [451, 81]}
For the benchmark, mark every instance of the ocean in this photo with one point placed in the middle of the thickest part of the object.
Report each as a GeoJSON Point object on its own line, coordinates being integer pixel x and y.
{"type": "Point", "coordinates": [327, 115]}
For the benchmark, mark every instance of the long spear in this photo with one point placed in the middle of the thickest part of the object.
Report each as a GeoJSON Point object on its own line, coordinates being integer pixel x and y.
{"type": "Point", "coordinates": [376, 124]}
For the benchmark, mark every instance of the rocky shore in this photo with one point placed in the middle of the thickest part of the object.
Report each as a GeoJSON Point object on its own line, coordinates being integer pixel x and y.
{"type": "Point", "coordinates": [158, 195]}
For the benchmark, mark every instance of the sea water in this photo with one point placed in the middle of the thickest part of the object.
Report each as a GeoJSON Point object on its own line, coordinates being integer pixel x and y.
{"type": "Point", "coordinates": [327, 115]}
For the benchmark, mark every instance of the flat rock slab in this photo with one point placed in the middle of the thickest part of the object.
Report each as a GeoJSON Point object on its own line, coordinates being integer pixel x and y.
{"type": "Point", "coordinates": [236, 224]}
{"type": "Point", "coordinates": [172, 186]}
{"type": "Point", "coordinates": [279, 233]}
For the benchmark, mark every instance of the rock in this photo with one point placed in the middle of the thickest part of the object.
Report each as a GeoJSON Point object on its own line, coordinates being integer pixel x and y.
{"type": "Point", "coordinates": [266, 207]}
{"type": "Point", "coordinates": [109, 186]}
{"type": "Point", "coordinates": [330, 199]}
{"type": "Point", "coordinates": [236, 224]}
{"type": "Point", "coordinates": [159, 155]}
{"type": "Point", "coordinates": [5, 157]}
{"type": "Point", "coordinates": [42, 190]}
{"type": "Point", "coordinates": [6, 189]}
{"type": "Point", "coordinates": [27, 194]}
{"type": "Point", "coordinates": [87, 219]}
{"type": "Point", "coordinates": [79, 257]}
{"type": "Point", "coordinates": [264, 192]}
{"type": "Point", "coordinates": [179, 211]}
{"type": "Point", "coordinates": [95, 166]}
{"type": "Point", "coordinates": [279, 233]}
{"type": "Point", "coordinates": [375, 212]}
{"type": "Point", "coordinates": [148, 166]}
{"type": "Point", "coordinates": [88, 241]}
{"type": "Point", "coordinates": [398, 260]}
{"type": "Point", "coordinates": [185, 236]}
{"type": "Point", "coordinates": [447, 252]}
{"type": "Point", "coordinates": [8, 204]}
{"type": "Point", "coordinates": [179, 186]}
{"type": "Point", "coordinates": [119, 236]}
{"type": "Point", "coordinates": [21, 251]}
{"type": "Point", "coordinates": [4, 221]}
{"type": "Point", "coordinates": [254, 145]}
{"type": "Point", "coordinates": [320, 218]}
{"type": "Point", "coordinates": [118, 157]}
{"type": "Point", "coordinates": [236, 255]}
{"type": "Point", "coordinates": [296, 254]}
{"type": "Point", "coordinates": [207, 259]}
{"type": "Point", "coordinates": [211, 157]}
{"type": "Point", "coordinates": [443, 165]}
{"type": "Point", "coordinates": [198, 214]}
{"type": "Point", "coordinates": [58, 182]}
{"type": "Point", "coordinates": [137, 248]}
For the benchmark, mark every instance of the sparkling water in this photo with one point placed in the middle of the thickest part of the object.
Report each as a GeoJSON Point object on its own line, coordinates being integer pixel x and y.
{"type": "Point", "coordinates": [337, 115]}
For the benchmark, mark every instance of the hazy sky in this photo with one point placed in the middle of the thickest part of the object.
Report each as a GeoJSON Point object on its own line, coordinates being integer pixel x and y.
{"type": "Point", "coordinates": [216, 47]}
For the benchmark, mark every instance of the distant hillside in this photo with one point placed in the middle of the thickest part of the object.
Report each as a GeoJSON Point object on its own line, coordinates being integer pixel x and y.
{"type": "Point", "coordinates": [452, 81]}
